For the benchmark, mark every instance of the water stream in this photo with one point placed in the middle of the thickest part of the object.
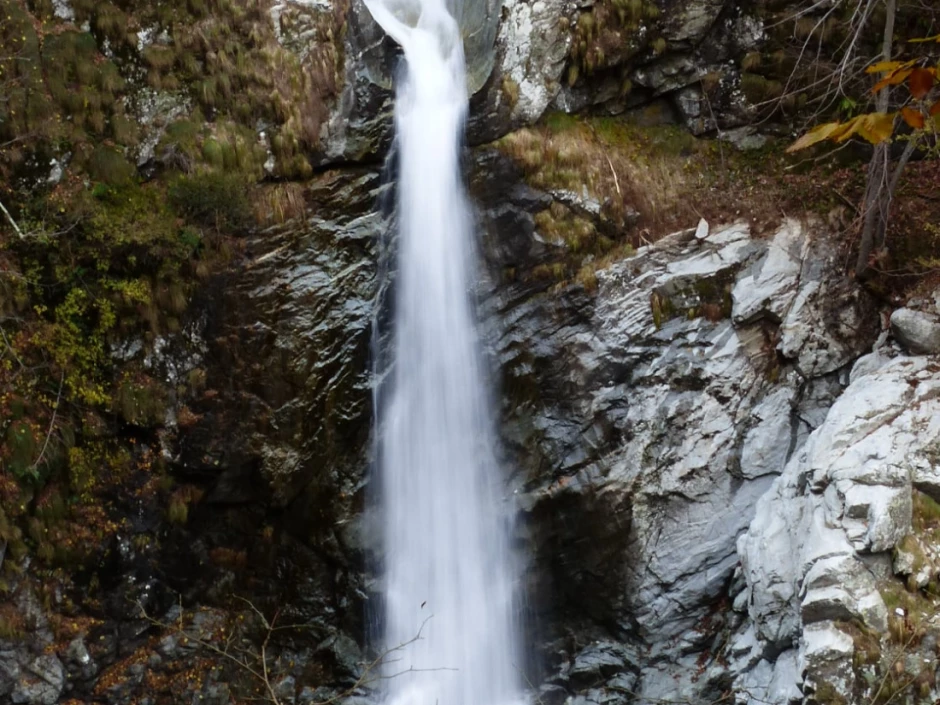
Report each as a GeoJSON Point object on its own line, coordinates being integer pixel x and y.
{"type": "Point", "coordinates": [449, 574]}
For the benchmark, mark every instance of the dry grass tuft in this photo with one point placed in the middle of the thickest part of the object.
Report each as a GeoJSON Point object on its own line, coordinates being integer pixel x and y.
{"type": "Point", "coordinates": [278, 203]}
{"type": "Point", "coordinates": [626, 170]}
{"type": "Point", "coordinates": [649, 182]}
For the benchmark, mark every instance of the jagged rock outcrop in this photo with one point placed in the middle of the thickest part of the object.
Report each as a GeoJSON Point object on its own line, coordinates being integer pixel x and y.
{"type": "Point", "coordinates": [817, 559]}
{"type": "Point", "coordinates": [712, 403]}
{"type": "Point", "coordinates": [646, 422]}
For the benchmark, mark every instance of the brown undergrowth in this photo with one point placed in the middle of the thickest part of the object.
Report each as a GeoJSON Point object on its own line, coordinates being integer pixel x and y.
{"type": "Point", "coordinates": [651, 181]}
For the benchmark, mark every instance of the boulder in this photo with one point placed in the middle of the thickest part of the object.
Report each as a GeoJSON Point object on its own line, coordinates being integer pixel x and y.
{"type": "Point", "coordinates": [917, 331]}
{"type": "Point", "coordinates": [40, 682]}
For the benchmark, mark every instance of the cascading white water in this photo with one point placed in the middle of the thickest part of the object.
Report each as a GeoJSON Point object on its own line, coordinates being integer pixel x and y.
{"type": "Point", "coordinates": [448, 567]}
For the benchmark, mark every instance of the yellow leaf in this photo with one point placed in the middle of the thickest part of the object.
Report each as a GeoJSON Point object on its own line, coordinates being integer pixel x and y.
{"type": "Point", "coordinates": [876, 127]}
{"type": "Point", "coordinates": [887, 66]}
{"type": "Point", "coordinates": [892, 79]}
{"type": "Point", "coordinates": [913, 117]}
{"type": "Point", "coordinates": [921, 40]}
{"type": "Point", "coordinates": [849, 128]}
{"type": "Point", "coordinates": [817, 134]}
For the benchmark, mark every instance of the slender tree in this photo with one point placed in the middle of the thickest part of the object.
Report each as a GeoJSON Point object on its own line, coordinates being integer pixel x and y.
{"type": "Point", "coordinates": [914, 107]}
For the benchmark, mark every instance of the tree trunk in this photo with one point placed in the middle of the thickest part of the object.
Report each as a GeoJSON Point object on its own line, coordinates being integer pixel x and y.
{"type": "Point", "coordinates": [877, 200]}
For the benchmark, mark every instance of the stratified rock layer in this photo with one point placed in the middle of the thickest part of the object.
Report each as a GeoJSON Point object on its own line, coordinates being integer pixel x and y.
{"type": "Point", "coordinates": [647, 421]}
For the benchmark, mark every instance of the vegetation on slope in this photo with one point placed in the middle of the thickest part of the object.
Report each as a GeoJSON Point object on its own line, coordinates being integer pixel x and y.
{"type": "Point", "coordinates": [96, 260]}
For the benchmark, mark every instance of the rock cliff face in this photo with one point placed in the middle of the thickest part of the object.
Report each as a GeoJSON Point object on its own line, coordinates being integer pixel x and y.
{"type": "Point", "coordinates": [649, 422]}
{"type": "Point", "coordinates": [723, 453]}
{"type": "Point", "coordinates": [713, 487]}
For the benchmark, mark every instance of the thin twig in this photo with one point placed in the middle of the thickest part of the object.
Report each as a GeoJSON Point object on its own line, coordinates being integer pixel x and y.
{"type": "Point", "coordinates": [16, 227]}
{"type": "Point", "coordinates": [263, 674]}
{"type": "Point", "coordinates": [614, 172]}
{"type": "Point", "coordinates": [51, 422]}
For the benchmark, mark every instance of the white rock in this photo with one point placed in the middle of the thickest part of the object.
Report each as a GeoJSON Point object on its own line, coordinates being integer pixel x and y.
{"type": "Point", "coordinates": [868, 364]}
{"type": "Point", "coordinates": [533, 46]}
{"type": "Point", "coordinates": [767, 445]}
{"type": "Point", "coordinates": [769, 683]}
{"type": "Point", "coordinates": [772, 285]}
{"type": "Point", "coordinates": [828, 322]}
{"type": "Point", "coordinates": [63, 10]}
{"type": "Point", "coordinates": [847, 492]}
{"type": "Point", "coordinates": [701, 230]}
{"type": "Point", "coordinates": [917, 331]}
{"type": "Point", "coordinates": [826, 642]}
{"type": "Point", "coordinates": [156, 110]}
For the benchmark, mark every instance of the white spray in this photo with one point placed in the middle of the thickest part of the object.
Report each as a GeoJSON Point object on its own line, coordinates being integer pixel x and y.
{"type": "Point", "coordinates": [448, 567]}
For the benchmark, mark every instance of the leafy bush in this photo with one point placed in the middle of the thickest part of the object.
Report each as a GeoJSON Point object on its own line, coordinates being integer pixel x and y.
{"type": "Point", "coordinates": [216, 200]}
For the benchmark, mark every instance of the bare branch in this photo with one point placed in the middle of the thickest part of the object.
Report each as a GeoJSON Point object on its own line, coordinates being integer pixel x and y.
{"type": "Point", "coordinates": [51, 422]}
{"type": "Point", "coordinates": [16, 228]}
{"type": "Point", "coordinates": [256, 663]}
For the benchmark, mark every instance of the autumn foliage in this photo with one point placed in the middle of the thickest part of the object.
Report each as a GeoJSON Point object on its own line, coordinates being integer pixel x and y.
{"type": "Point", "coordinates": [920, 113]}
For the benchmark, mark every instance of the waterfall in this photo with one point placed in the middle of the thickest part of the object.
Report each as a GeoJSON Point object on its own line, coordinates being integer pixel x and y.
{"type": "Point", "coordinates": [448, 570]}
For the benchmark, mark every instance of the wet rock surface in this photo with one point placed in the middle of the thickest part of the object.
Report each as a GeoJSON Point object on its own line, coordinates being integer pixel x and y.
{"type": "Point", "coordinates": [645, 422]}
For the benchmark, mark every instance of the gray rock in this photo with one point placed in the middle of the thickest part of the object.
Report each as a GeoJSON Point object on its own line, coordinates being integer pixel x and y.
{"type": "Point", "coordinates": [845, 496]}
{"type": "Point", "coordinates": [40, 683]}
{"type": "Point", "coordinates": [673, 72]}
{"type": "Point", "coordinates": [768, 444]}
{"type": "Point", "coordinates": [346, 654]}
{"type": "Point", "coordinates": [282, 468]}
{"type": "Point", "coordinates": [310, 696]}
{"type": "Point", "coordinates": [154, 111]}
{"type": "Point", "coordinates": [9, 669]}
{"type": "Point", "coordinates": [600, 661]}
{"type": "Point", "coordinates": [631, 449]}
{"type": "Point", "coordinates": [830, 322]}
{"type": "Point", "coordinates": [918, 331]}
{"type": "Point", "coordinates": [214, 693]}
{"type": "Point", "coordinates": [744, 138]}
{"type": "Point", "coordinates": [533, 46]}
{"type": "Point", "coordinates": [691, 21]}
{"type": "Point", "coordinates": [770, 682]}
{"type": "Point", "coordinates": [600, 696]}
{"type": "Point", "coordinates": [772, 285]}
{"type": "Point", "coordinates": [79, 660]}
{"type": "Point", "coordinates": [286, 689]}
{"type": "Point", "coordinates": [826, 659]}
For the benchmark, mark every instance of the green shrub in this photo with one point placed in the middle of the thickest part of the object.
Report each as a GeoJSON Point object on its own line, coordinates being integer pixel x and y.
{"type": "Point", "coordinates": [109, 166]}
{"type": "Point", "coordinates": [140, 402]}
{"type": "Point", "coordinates": [217, 200]}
